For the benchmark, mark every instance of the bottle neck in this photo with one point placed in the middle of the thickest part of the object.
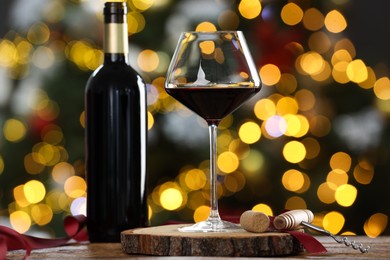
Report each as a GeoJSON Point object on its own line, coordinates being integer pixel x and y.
{"type": "Point", "coordinates": [116, 57]}
{"type": "Point", "coordinates": [115, 41]}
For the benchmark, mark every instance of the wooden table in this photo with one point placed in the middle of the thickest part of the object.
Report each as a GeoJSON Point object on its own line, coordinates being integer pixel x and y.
{"type": "Point", "coordinates": [380, 249]}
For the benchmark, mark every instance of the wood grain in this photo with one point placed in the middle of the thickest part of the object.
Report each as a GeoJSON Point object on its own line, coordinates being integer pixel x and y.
{"type": "Point", "coordinates": [380, 249]}
{"type": "Point", "coordinates": [168, 241]}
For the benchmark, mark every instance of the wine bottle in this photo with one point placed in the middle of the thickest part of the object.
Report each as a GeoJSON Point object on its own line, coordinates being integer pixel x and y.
{"type": "Point", "coordinates": [116, 133]}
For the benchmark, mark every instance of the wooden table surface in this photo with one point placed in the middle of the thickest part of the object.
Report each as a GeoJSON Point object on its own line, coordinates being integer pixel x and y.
{"type": "Point", "coordinates": [380, 249]}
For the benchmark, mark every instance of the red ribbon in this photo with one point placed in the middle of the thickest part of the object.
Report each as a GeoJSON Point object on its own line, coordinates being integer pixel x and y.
{"type": "Point", "coordinates": [312, 245]}
{"type": "Point", "coordinates": [12, 240]}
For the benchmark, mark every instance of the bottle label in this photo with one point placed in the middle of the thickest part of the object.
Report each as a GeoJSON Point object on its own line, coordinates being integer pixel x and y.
{"type": "Point", "coordinates": [115, 38]}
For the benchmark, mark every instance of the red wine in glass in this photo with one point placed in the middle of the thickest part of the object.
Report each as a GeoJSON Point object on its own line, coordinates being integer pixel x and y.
{"type": "Point", "coordinates": [212, 103]}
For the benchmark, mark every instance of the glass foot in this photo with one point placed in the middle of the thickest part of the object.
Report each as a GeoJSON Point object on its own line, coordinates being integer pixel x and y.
{"type": "Point", "coordinates": [212, 226]}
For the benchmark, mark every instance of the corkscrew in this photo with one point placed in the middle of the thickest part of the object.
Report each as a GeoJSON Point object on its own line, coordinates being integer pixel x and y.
{"type": "Point", "coordinates": [295, 218]}
{"type": "Point", "coordinates": [259, 222]}
{"type": "Point", "coordinates": [338, 239]}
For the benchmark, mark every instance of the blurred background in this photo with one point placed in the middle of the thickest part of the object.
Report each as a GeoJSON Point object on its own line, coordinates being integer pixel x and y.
{"type": "Point", "coordinates": [316, 136]}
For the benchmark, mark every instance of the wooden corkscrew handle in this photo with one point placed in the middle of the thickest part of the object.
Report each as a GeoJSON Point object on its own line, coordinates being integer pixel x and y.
{"type": "Point", "coordinates": [292, 219]}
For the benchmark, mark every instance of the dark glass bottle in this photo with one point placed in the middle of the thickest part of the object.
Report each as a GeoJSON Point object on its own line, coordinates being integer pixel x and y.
{"type": "Point", "coordinates": [116, 129]}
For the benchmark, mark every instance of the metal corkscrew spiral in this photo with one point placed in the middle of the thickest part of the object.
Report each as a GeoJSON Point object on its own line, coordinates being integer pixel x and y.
{"type": "Point", "coordinates": [296, 218]}
{"type": "Point", "coordinates": [340, 240]}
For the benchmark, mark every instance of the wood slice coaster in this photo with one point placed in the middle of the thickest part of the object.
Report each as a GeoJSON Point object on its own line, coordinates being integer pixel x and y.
{"type": "Point", "coordinates": [168, 241]}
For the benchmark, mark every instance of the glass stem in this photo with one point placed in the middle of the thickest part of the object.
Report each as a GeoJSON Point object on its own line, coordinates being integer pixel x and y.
{"type": "Point", "coordinates": [214, 214]}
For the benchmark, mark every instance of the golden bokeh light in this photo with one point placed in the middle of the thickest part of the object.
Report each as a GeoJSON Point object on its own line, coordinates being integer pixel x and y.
{"type": "Point", "coordinates": [195, 179]}
{"type": "Point", "coordinates": [337, 177]}
{"type": "Point", "coordinates": [261, 207]}
{"type": "Point", "coordinates": [84, 55]}
{"type": "Point", "coordinates": [306, 99]}
{"type": "Point", "coordinates": [293, 180]}
{"type": "Point", "coordinates": [34, 191]}
{"type": "Point", "coordinates": [335, 22]}
{"type": "Point", "coordinates": [171, 198]}
{"type": "Point", "coordinates": [382, 88]}
{"type": "Point", "coordinates": [136, 22]}
{"type": "Point", "coordinates": [234, 182]}
{"type": "Point", "coordinates": [287, 105]}
{"type": "Point", "coordinates": [370, 81]}
{"type": "Point", "coordinates": [8, 53]}
{"type": "Point", "coordinates": [14, 130]}
{"type": "Point", "coordinates": [333, 222]}
{"type": "Point", "coordinates": [264, 109]}
{"type": "Point", "coordinates": [326, 192]}
{"type": "Point", "coordinates": [339, 72]}
{"type": "Point", "coordinates": [148, 60]}
{"type": "Point", "coordinates": [206, 27]}
{"type": "Point", "coordinates": [207, 47]}
{"type": "Point", "coordinates": [46, 154]}
{"type": "Point", "coordinates": [150, 120]}
{"type": "Point", "coordinates": [295, 202]}
{"type": "Point", "coordinates": [249, 132]}
{"type": "Point", "coordinates": [249, 9]}
{"type": "Point", "coordinates": [228, 162]}
{"type": "Point", "coordinates": [291, 14]}
{"type": "Point", "coordinates": [357, 71]}
{"type": "Point", "coordinates": [20, 221]}
{"type": "Point", "coordinates": [341, 55]}
{"type": "Point", "coordinates": [293, 125]}
{"type": "Point", "coordinates": [313, 19]}
{"type": "Point", "coordinates": [297, 125]}
{"type": "Point", "coordinates": [324, 75]}
{"type": "Point", "coordinates": [312, 146]}
{"type": "Point", "coordinates": [19, 196]}
{"type": "Point", "coordinates": [294, 151]}
{"type": "Point", "coordinates": [341, 160]}
{"type": "Point", "coordinates": [376, 224]}
{"type": "Point", "coordinates": [346, 195]}
{"type": "Point", "coordinates": [201, 213]}
{"type": "Point", "coordinates": [312, 63]}
{"type": "Point", "coordinates": [62, 171]}
{"type": "Point", "coordinates": [269, 74]}
{"type": "Point", "coordinates": [38, 33]}
{"type": "Point", "coordinates": [363, 172]}
{"type": "Point", "coordinates": [75, 187]}
{"type": "Point", "coordinates": [143, 5]}
{"type": "Point", "coordinates": [41, 214]}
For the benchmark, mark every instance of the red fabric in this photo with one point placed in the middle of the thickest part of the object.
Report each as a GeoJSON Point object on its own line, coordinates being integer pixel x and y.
{"type": "Point", "coordinates": [312, 245]}
{"type": "Point", "coordinates": [12, 240]}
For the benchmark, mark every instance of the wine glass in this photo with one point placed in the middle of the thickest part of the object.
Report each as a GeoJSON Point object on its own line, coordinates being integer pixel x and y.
{"type": "Point", "coordinates": [212, 74]}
